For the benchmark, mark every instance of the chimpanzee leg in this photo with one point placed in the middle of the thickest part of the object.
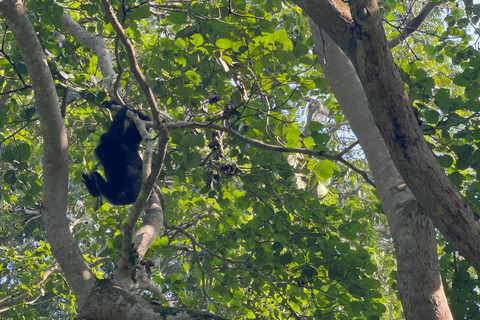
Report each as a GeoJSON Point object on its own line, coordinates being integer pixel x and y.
{"type": "Point", "coordinates": [111, 192]}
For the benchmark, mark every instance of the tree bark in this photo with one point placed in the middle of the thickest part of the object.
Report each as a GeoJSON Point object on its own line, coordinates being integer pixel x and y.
{"type": "Point", "coordinates": [55, 148]}
{"type": "Point", "coordinates": [365, 43]}
{"type": "Point", "coordinates": [419, 282]}
{"type": "Point", "coordinates": [108, 301]}
{"type": "Point", "coordinates": [96, 44]}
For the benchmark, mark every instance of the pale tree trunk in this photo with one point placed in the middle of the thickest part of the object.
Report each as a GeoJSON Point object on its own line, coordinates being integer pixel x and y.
{"type": "Point", "coordinates": [96, 299]}
{"type": "Point", "coordinates": [419, 283]}
{"type": "Point", "coordinates": [55, 148]}
{"type": "Point", "coordinates": [359, 32]}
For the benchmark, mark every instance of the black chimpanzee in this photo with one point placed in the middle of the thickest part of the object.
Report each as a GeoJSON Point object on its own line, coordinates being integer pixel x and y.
{"type": "Point", "coordinates": [122, 165]}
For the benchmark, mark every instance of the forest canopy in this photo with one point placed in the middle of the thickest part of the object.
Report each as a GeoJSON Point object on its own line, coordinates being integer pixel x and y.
{"type": "Point", "coordinates": [301, 160]}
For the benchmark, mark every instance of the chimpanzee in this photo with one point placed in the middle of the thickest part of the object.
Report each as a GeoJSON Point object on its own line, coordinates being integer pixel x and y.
{"type": "Point", "coordinates": [122, 165]}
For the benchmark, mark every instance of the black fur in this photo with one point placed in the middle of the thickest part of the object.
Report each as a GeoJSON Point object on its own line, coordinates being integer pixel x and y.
{"type": "Point", "coordinates": [117, 151]}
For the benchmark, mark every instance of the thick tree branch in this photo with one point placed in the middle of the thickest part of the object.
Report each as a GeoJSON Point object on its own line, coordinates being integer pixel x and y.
{"type": "Point", "coordinates": [55, 158]}
{"type": "Point", "coordinates": [147, 91]}
{"type": "Point", "coordinates": [109, 301]}
{"type": "Point", "coordinates": [394, 115]}
{"type": "Point", "coordinates": [151, 226]}
{"type": "Point", "coordinates": [340, 22]}
{"type": "Point", "coordinates": [96, 44]}
{"type": "Point", "coordinates": [266, 146]}
{"type": "Point", "coordinates": [153, 222]}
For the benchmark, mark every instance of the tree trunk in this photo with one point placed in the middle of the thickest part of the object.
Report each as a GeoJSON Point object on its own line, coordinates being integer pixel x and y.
{"type": "Point", "coordinates": [360, 34]}
{"type": "Point", "coordinates": [55, 159]}
{"type": "Point", "coordinates": [419, 283]}
{"type": "Point", "coordinates": [96, 299]}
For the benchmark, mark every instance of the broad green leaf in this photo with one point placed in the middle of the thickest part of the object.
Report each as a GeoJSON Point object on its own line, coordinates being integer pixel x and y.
{"type": "Point", "coordinates": [224, 43]}
{"type": "Point", "coordinates": [445, 161]}
{"type": "Point", "coordinates": [193, 76]}
{"type": "Point", "coordinates": [140, 13]}
{"type": "Point", "coordinates": [457, 179]}
{"type": "Point", "coordinates": [177, 17]}
{"type": "Point", "coordinates": [197, 40]}
{"type": "Point", "coordinates": [285, 259]}
{"type": "Point", "coordinates": [309, 142]}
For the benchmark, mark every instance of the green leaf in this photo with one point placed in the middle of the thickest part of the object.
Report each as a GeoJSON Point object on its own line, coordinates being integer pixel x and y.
{"type": "Point", "coordinates": [445, 161]}
{"type": "Point", "coordinates": [282, 37]}
{"type": "Point", "coordinates": [349, 230]}
{"type": "Point", "coordinates": [197, 39]}
{"type": "Point", "coordinates": [249, 314]}
{"type": "Point", "coordinates": [117, 242]}
{"type": "Point", "coordinates": [431, 50]}
{"type": "Point", "coordinates": [463, 151]}
{"type": "Point", "coordinates": [224, 43]}
{"type": "Point", "coordinates": [370, 268]}
{"type": "Point", "coordinates": [29, 113]}
{"type": "Point", "coordinates": [140, 13]}
{"type": "Point", "coordinates": [462, 164]}
{"type": "Point", "coordinates": [462, 80]}
{"type": "Point", "coordinates": [279, 237]}
{"type": "Point", "coordinates": [315, 126]}
{"type": "Point", "coordinates": [476, 157]}
{"type": "Point", "coordinates": [457, 179]}
{"type": "Point", "coordinates": [390, 16]}
{"type": "Point", "coordinates": [285, 259]}
{"type": "Point", "coordinates": [293, 135]}
{"type": "Point", "coordinates": [21, 68]}
{"type": "Point", "coordinates": [195, 159]}
{"type": "Point", "coordinates": [309, 142]}
{"type": "Point", "coordinates": [177, 18]}
{"type": "Point", "coordinates": [57, 10]}
{"type": "Point", "coordinates": [193, 76]}
{"type": "Point", "coordinates": [163, 241]}
{"type": "Point", "coordinates": [8, 157]}
{"type": "Point", "coordinates": [266, 25]}
{"type": "Point", "coordinates": [326, 168]}
{"type": "Point", "coordinates": [442, 99]}
{"type": "Point", "coordinates": [10, 177]}
{"type": "Point", "coordinates": [472, 92]}
{"type": "Point", "coordinates": [181, 60]}
{"type": "Point", "coordinates": [420, 74]}
{"type": "Point", "coordinates": [471, 105]}
{"type": "Point", "coordinates": [23, 151]}
{"type": "Point", "coordinates": [431, 116]}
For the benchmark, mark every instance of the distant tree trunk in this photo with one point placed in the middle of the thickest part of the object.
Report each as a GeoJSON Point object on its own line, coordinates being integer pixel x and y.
{"type": "Point", "coordinates": [419, 283]}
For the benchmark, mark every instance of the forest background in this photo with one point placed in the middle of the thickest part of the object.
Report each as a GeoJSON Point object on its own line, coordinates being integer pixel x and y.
{"type": "Point", "coordinates": [290, 158]}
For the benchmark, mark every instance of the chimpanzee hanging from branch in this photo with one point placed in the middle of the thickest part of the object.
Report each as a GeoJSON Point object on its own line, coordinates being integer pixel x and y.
{"type": "Point", "coordinates": [117, 151]}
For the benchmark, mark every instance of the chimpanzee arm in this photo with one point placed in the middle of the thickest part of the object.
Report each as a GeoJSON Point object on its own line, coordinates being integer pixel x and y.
{"type": "Point", "coordinates": [117, 127]}
{"type": "Point", "coordinates": [91, 185]}
{"type": "Point", "coordinates": [108, 104]}
{"type": "Point", "coordinates": [143, 117]}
